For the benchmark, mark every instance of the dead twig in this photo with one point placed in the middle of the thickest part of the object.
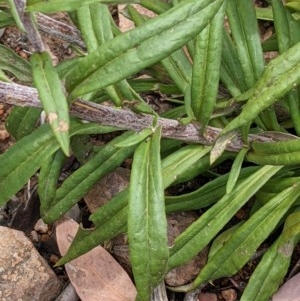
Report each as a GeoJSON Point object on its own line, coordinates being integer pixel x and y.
{"type": "Point", "coordinates": [20, 95]}
{"type": "Point", "coordinates": [59, 30]}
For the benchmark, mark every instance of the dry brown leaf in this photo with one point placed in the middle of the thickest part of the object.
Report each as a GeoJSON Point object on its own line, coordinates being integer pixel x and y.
{"type": "Point", "coordinates": [95, 275]}
{"type": "Point", "coordinates": [290, 291]}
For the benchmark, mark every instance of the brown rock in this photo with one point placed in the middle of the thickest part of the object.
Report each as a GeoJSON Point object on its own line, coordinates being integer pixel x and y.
{"type": "Point", "coordinates": [24, 274]}
{"type": "Point", "coordinates": [229, 294]}
{"type": "Point", "coordinates": [207, 297]}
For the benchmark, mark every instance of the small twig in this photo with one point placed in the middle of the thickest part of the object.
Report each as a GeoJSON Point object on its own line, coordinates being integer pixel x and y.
{"type": "Point", "coordinates": [192, 296]}
{"type": "Point", "coordinates": [59, 30]}
{"type": "Point", "coordinates": [31, 30]}
{"type": "Point", "coordinates": [68, 294]}
{"type": "Point", "coordinates": [159, 293]}
{"type": "Point", "coordinates": [19, 95]}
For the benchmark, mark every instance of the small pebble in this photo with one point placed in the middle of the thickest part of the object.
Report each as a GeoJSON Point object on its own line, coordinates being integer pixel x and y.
{"type": "Point", "coordinates": [229, 295]}
{"type": "Point", "coordinates": [4, 134]}
{"type": "Point", "coordinates": [41, 227]}
{"type": "Point", "coordinates": [207, 297]}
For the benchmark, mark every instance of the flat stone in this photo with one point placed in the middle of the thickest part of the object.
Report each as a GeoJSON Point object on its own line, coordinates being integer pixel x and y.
{"type": "Point", "coordinates": [24, 274]}
{"type": "Point", "coordinates": [207, 297]}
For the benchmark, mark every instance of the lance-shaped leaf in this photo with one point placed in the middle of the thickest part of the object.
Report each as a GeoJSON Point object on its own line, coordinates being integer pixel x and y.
{"type": "Point", "coordinates": [128, 53]}
{"type": "Point", "coordinates": [52, 97]}
{"type": "Point", "coordinates": [200, 233]}
{"type": "Point", "coordinates": [110, 219]}
{"type": "Point", "coordinates": [243, 243]}
{"type": "Point", "coordinates": [206, 68]}
{"type": "Point", "coordinates": [95, 26]}
{"type": "Point", "coordinates": [147, 223]}
{"type": "Point", "coordinates": [280, 76]}
{"type": "Point", "coordinates": [85, 177]}
{"type": "Point", "coordinates": [51, 6]}
{"type": "Point", "coordinates": [231, 73]}
{"type": "Point", "coordinates": [235, 169]}
{"type": "Point", "coordinates": [10, 61]}
{"type": "Point", "coordinates": [22, 121]}
{"type": "Point", "coordinates": [48, 178]}
{"type": "Point", "coordinates": [177, 64]}
{"type": "Point", "coordinates": [23, 159]}
{"type": "Point", "coordinates": [206, 195]}
{"type": "Point", "coordinates": [288, 33]}
{"type": "Point", "coordinates": [15, 14]}
{"type": "Point", "coordinates": [272, 268]}
{"type": "Point", "coordinates": [26, 156]}
{"type": "Point", "coordinates": [245, 32]}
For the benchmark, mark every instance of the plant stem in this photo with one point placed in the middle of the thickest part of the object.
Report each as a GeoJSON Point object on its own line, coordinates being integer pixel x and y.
{"type": "Point", "coordinates": [125, 119]}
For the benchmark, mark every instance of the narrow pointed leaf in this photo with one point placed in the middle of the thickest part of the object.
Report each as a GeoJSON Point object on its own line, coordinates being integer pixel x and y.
{"type": "Point", "coordinates": [206, 68]}
{"type": "Point", "coordinates": [235, 169]}
{"type": "Point", "coordinates": [23, 159]}
{"type": "Point", "coordinates": [272, 268]}
{"type": "Point", "coordinates": [243, 243]}
{"type": "Point", "coordinates": [274, 83]}
{"type": "Point", "coordinates": [10, 61]}
{"type": "Point", "coordinates": [287, 32]}
{"type": "Point", "coordinates": [201, 232]}
{"type": "Point", "coordinates": [111, 219]}
{"type": "Point", "coordinates": [48, 179]}
{"type": "Point", "coordinates": [177, 64]}
{"type": "Point", "coordinates": [121, 57]}
{"type": "Point", "coordinates": [84, 178]}
{"type": "Point", "coordinates": [22, 121]}
{"type": "Point", "coordinates": [267, 276]}
{"type": "Point", "coordinates": [231, 73]}
{"type": "Point", "coordinates": [206, 195]}
{"type": "Point", "coordinates": [245, 32]}
{"type": "Point", "coordinates": [15, 14]}
{"type": "Point", "coordinates": [51, 6]}
{"type": "Point", "coordinates": [147, 223]}
{"type": "Point", "coordinates": [52, 97]}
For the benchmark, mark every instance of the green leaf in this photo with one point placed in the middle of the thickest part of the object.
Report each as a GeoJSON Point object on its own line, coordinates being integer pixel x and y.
{"type": "Point", "coordinates": [22, 121]}
{"type": "Point", "coordinates": [231, 72]}
{"type": "Point", "coordinates": [111, 219]}
{"type": "Point", "coordinates": [128, 53]}
{"type": "Point", "coordinates": [147, 223]}
{"type": "Point", "coordinates": [10, 61]}
{"type": "Point", "coordinates": [95, 26]}
{"type": "Point", "coordinates": [243, 243]}
{"type": "Point", "coordinates": [52, 97]}
{"type": "Point", "coordinates": [48, 179]}
{"type": "Point", "coordinates": [177, 64]}
{"type": "Point", "coordinates": [135, 138]}
{"type": "Point", "coordinates": [181, 161]}
{"type": "Point", "coordinates": [272, 268]}
{"type": "Point", "coordinates": [83, 179]}
{"type": "Point", "coordinates": [280, 76]}
{"type": "Point", "coordinates": [201, 232]}
{"type": "Point", "coordinates": [267, 276]}
{"type": "Point", "coordinates": [23, 159]}
{"type": "Point", "coordinates": [235, 169]}
{"type": "Point", "coordinates": [288, 33]}
{"type": "Point", "coordinates": [15, 14]}
{"type": "Point", "coordinates": [51, 6]}
{"type": "Point", "coordinates": [245, 32]}
{"type": "Point", "coordinates": [206, 195]}
{"type": "Point", "coordinates": [206, 68]}
{"type": "Point", "coordinates": [6, 19]}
